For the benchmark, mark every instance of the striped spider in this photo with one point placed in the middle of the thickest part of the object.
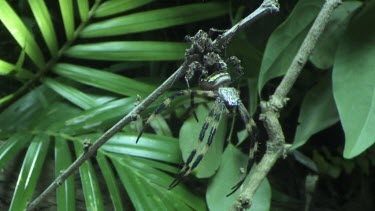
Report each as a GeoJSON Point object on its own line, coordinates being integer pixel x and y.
{"type": "Point", "coordinates": [215, 86]}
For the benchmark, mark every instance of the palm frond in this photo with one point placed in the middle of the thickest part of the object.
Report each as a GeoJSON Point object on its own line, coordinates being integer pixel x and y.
{"type": "Point", "coordinates": [68, 97]}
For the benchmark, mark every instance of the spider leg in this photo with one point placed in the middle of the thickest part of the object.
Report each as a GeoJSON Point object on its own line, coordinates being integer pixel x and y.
{"type": "Point", "coordinates": [192, 105]}
{"type": "Point", "coordinates": [251, 129]}
{"type": "Point", "coordinates": [209, 140]}
{"type": "Point", "coordinates": [186, 169]}
{"type": "Point", "coordinates": [188, 76]}
{"type": "Point", "coordinates": [167, 101]}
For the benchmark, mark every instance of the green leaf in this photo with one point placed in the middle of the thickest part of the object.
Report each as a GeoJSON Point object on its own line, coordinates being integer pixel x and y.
{"type": "Point", "coordinates": [129, 51]}
{"type": "Point", "coordinates": [228, 175]}
{"type": "Point", "coordinates": [147, 188]}
{"type": "Point", "coordinates": [10, 149]}
{"type": "Point", "coordinates": [98, 117]}
{"type": "Point", "coordinates": [6, 68]}
{"type": "Point", "coordinates": [65, 194]}
{"type": "Point", "coordinates": [23, 113]}
{"type": "Point", "coordinates": [324, 52]}
{"type": "Point", "coordinates": [305, 160]}
{"type": "Point", "coordinates": [52, 115]}
{"type": "Point", "coordinates": [118, 6]}
{"type": "Point", "coordinates": [318, 111]}
{"type": "Point", "coordinates": [30, 171]}
{"type": "Point", "coordinates": [155, 19]}
{"type": "Point", "coordinates": [103, 80]}
{"type": "Point", "coordinates": [43, 18]}
{"type": "Point", "coordinates": [253, 95]}
{"type": "Point", "coordinates": [150, 146]}
{"type": "Point", "coordinates": [160, 126]}
{"type": "Point", "coordinates": [353, 83]}
{"type": "Point", "coordinates": [20, 33]}
{"type": "Point", "coordinates": [189, 134]}
{"type": "Point", "coordinates": [155, 164]}
{"type": "Point", "coordinates": [67, 13]}
{"type": "Point", "coordinates": [90, 183]}
{"type": "Point", "coordinates": [285, 41]}
{"type": "Point", "coordinates": [72, 94]}
{"type": "Point", "coordinates": [83, 9]}
{"type": "Point", "coordinates": [248, 54]}
{"type": "Point", "coordinates": [110, 181]}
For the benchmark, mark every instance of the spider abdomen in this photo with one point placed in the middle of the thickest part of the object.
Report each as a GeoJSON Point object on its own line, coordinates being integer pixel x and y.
{"type": "Point", "coordinates": [230, 96]}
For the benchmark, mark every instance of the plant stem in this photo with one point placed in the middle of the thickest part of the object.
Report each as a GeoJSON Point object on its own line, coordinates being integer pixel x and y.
{"type": "Point", "coordinates": [276, 146]}
{"type": "Point", "coordinates": [268, 6]}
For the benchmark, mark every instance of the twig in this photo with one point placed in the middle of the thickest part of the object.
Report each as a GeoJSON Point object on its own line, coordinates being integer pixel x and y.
{"type": "Point", "coordinates": [276, 146]}
{"type": "Point", "coordinates": [268, 6]}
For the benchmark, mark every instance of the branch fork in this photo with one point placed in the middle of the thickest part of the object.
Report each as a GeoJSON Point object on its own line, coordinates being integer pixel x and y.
{"type": "Point", "coordinates": [276, 146]}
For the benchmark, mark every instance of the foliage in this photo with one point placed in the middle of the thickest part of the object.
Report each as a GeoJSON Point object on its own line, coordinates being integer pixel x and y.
{"type": "Point", "coordinates": [71, 69]}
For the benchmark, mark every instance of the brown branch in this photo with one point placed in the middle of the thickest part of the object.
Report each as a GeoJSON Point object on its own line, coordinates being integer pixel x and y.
{"type": "Point", "coordinates": [267, 7]}
{"type": "Point", "coordinates": [276, 146]}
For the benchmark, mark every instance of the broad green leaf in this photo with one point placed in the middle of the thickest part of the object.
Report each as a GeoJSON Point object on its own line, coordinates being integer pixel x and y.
{"type": "Point", "coordinates": [72, 94]}
{"type": "Point", "coordinates": [99, 117]}
{"type": "Point", "coordinates": [147, 188]}
{"type": "Point", "coordinates": [353, 83]}
{"type": "Point", "coordinates": [9, 150]}
{"type": "Point", "coordinates": [90, 183]}
{"type": "Point", "coordinates": [154, 147]}
{"type": "Point", "coordinates": [67, 13]}
{"type": "Point", "coordinates": [318, 111]}
{"type": "Point", "coordinates": [65, 194]}
{"type": "Point", "coordinates": [155, 19]}
{"type": "Point", "coordinates": [118, 6]}
{"type": "Point", "coordinates": [228, 175]}
{"type": "Point", "coordinates": [324, 52]}
{"type": "Point", "coordinates": [30, 171]}
{"type": "Point", "coordinates": [189, 134]}
{"type": "Point", "coordinates": [43, 18]}
{"type": "Point", "coordinates": [110, 181]}
{"type": "Point", "coordinates": [20, 33]}
{"type": "Point", "coordinates": [83, 9]}
{"type": "Point", "coordinates": [129, 51]}
{"type": "Point", "coordinates": [103, 80]}
{"type": "Point", "coordinates": [285, 41]}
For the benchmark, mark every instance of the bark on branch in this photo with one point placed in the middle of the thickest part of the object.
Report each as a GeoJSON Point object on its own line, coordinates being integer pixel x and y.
{"type": "Point", "coordinates": [276, 146]}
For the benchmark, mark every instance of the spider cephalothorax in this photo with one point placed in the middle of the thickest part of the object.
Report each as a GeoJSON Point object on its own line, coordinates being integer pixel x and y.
{"type": "Point", "coordinates": [207, 57]}
{"type": "Point", "coordinates": [215, 86]}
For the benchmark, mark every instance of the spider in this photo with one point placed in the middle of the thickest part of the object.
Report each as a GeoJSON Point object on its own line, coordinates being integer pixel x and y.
{"type": "Point", "coordinates": [215, 86]}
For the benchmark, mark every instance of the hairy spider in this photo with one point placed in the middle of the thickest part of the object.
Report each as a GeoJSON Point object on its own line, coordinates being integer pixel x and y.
{"type": "Point", "coordinates": [205, 56]}
{"type": "Point", "coordinates": [215, 86]}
